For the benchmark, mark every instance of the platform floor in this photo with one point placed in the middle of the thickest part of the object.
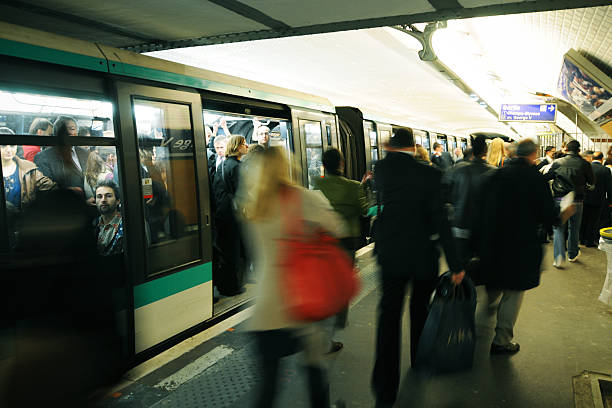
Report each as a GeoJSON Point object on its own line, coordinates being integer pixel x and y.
{"type": "Point", "coordinates": [562, 328]}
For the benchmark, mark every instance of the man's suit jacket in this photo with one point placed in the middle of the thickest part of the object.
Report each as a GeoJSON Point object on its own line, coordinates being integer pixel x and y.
{"type": "Point", "coordinates": [602, 191]}
{"type": "Point", "coordinates": [63, 172]}
{"type": "Point", "coordinates": [413, 218]}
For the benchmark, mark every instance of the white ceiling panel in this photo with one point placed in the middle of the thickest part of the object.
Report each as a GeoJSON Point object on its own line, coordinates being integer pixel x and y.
{"type": "Point", "coordinates": [298, 13]}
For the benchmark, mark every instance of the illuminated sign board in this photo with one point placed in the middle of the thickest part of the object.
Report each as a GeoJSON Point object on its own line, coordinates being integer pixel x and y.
{"type": "Point", "coordinates": [528, 113]}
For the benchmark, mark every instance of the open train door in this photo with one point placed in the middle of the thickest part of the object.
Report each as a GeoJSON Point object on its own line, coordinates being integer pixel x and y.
{"type": "Point", "coordinates": [353, 141]}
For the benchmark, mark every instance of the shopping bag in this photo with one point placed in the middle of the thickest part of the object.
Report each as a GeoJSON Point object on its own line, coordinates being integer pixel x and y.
{"type": "Point", "coordinates": [318, 276]}
{"type": "Point", "coordinates": [448, 339]}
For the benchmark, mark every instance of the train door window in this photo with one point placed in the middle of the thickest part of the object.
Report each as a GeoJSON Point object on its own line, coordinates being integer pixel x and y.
{"type": "Point", "coordinates": [426, 143]}
{"type": "Point", "coordinates": [168, 177]}
{"type": "Point", "coordinates": [373, 145]}
{"type": "Point", "coordinates": [314, 150]}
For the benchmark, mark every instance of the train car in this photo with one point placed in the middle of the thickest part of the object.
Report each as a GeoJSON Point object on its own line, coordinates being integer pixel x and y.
{"type": "Point", "coordinates": [148, 120]}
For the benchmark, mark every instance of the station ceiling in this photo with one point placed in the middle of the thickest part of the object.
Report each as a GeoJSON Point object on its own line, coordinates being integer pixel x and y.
{"type": "Point", "coordinates": [150, 25]}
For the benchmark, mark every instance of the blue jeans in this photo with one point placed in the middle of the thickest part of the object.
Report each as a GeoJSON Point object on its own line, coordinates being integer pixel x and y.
{"type": "Point", "coordinates": [573, 228]}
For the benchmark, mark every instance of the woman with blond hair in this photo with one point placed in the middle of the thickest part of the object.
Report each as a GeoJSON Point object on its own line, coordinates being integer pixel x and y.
{"type": "Point", "coordinates": [497, 153]}
{"type": "Point", "coordinates": [95, 172]}
{"type": "Point", "coordinates": [271, 206]}
{"type": "Point", "coordinates": [422, 155]}
{"type": "Point", "coordinates": [228, 271]}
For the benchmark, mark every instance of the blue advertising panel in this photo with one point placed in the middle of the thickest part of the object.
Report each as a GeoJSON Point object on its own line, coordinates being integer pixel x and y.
{"type": "Point", "coordinates": [528, 113]}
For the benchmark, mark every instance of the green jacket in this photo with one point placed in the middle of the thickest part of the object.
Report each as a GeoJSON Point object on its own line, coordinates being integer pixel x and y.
{"type": "Point", "coordinates": [348, 199]}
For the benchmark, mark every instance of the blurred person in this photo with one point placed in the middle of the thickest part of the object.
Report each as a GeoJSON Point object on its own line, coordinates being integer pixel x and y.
{"type": "Point", "coordinates": [95, 172]}
{"type": "Point", "coordinates": [517, 189]}
{"type": "Point", "coordinates": [263, 136]}
{"type": "Point", "coordinates": [440, 158]}
{"type": "Point", "coordinates": [457, 155]}
{"type": "Point", "coordinates": [497, 153]}
{"type": "Point", "coordinates": [548, 157]}
{"type": "Point", "coordinates": [22, 179]}
{"type": "Point", "coordinates": [588, 155]}
{"type": "Point", "coordinates": [109, 224]}
{"type": "Point", "coordinates": [463, 184]}
{"type": "Point", "coordinates": [510, 150]}
{"type": "Point", "coordinates": [84, 131]}
{"type": "Point", "coordinates": [412, 221]}
{"type": "Point", "coordinates": [468, 154]}
{"type": "Point", "coordinates": [595, 201]}
{"type": "Point", "coordinates": [277, 333]}
{"type": "Point", "coordinates": [422, 155]}
{"type": "Point", "coordinates": [64, 164]}
{"type": "Point", "coordinates": [39, 127]}
{"type": "Point", "coordinates": [229, 271]}
{"type": "Point", "coordinates": [63, 317]}
{"type": "Point", "coordinates": [570, 173]}
{"type": "Point", "coordinates": [348, 199]}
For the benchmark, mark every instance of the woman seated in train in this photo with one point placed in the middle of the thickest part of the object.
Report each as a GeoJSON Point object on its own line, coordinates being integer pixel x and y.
{"type": "Point", "coordinates": [228, 273]}
{"type": "Point", "coordinates": [272, 198]}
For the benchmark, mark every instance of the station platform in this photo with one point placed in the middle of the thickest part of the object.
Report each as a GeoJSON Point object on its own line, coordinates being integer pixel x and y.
{"type": "Point", "coordinates": [562, 328]}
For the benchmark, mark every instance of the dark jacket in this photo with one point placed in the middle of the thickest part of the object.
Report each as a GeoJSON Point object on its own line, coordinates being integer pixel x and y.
{"type": "Point", "coordinates": [444, 161]}
{"type": "Point", "coordinates": [602, 191]}
{"type": "Point", "coordinates": [62, 171]}
{"type": "Point", "coordinates": [412, 218]}
{"type": "Point", "coordinates": [513, 202]}
{"type": "Point", "coordinates": [461, 184]}
{"type": "Point", "coordinates": [225, 186]}
{"type": "Point", "coordinates": [348, 199]}
{"type": "Point", "coordinates": [570, 173]}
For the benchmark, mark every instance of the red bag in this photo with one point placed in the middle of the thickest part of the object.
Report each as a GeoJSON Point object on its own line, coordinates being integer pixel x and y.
{"type": "Point", "coordinates": [317, 274]}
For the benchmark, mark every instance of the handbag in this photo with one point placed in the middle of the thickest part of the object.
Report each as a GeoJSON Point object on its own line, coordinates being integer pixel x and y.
{"type": "Point", "coordinates": [317, 275]}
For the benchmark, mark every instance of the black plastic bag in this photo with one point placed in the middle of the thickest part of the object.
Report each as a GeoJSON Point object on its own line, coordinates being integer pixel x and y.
{"type": "Point", "coordinates": [448, 339]}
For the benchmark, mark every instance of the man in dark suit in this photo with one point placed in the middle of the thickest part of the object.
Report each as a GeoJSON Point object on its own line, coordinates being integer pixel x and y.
{"type": "Point", "coordinates": [595, 201]}
{"type": "Point", "coordinates": [412, 220]}
{"type": "Point", "coordinates": [64, 164]}
{"type": "Point", "coordinates": [440, 158]}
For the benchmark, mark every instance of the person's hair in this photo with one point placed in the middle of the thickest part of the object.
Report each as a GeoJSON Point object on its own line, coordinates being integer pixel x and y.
{"type": "Point", "coordinates": [39, 124]}
{"type": "Point", "coordinates": [268, 174]}
{"type": "Point", "coordinates": [61, 124]}
{"type": "Point", "coordinates": [511, 149]}
{"type": "Point", "coordinates": [403, 137]}
{"type": "Point", "coordinates": [548, 149]}
{"type": "Point", "coordinates": [573, 146]}
{"type": "Point", "coordinates": [95, 166]}
{"type": "Point", "coordinates": [332, 158]}
{"type": "Point", "coordinates": [598, 156]}
{"type": "Point", "coordinates": [558, 154]}
{"type": "Point", "coordinates": [84, 131]}
{"type": "Point", "coordinates": [436, 145]}
{"type": "Point", "coordinates": [421, 154]}
{"type": "Point", "coordinates": [219, 139]}
{"type": "Point", "coordinates": [234, 142]}
{"type": "Point", "coordinates": [255, 149]}
{"type": "Point", "coordinates": [109, 184]}
{"type": "Point", "coordinates": [526, 148]}
{"type": "Point", "coordinates": [496, 152]}
{"type": "Point", "coordinates": [588, 153]}
{"type": "Point", "coordinates": [468, 153]}
{"type": "Point", "coordinates": [479, 146]}
{"type": "Point", "coordinates": [6, 131]}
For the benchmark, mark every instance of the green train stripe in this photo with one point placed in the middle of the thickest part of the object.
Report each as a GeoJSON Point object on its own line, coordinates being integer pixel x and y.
{"type": "Point", "coordinates": [161, 288]}
{"type": "Point", "coordinates": [137, 71]}
{"type": "Point", "coordinates": [44, 54]}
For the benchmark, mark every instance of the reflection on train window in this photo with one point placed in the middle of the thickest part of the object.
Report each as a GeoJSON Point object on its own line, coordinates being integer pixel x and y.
{"type": "Point", "coordinates": [168, 176]}
{"type": "Point", "coordinates": [314, 150]}
{"type": "Point", "coordinates": [92, 172]}
{"type": "Point", "coordinates": [264, 131]}
{"type": "Point", "coordinates": [34, 114]}
{"type": "Point", "coordinates": [373, 145]}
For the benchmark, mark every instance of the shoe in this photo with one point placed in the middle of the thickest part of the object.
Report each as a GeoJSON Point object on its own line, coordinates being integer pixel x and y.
{"type": "Point", "coordinates": [510, 348]}
{"type": "Point", "coordinates": [335, 346]}
{"type": "Point", "coordinates": [558, 262]}
{"type": "Point", "coordinates": [574, 259]}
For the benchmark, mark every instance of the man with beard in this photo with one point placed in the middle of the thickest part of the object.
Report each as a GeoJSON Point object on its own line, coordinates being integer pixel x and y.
{"type": "Point", "coordinates": [109, 225]}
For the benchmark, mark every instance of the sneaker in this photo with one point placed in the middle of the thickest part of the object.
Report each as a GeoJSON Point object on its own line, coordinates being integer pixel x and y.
{"type": "Point", "coordinates": [574, 259]}
{"type": "Point", "coordinates": [510, 348]}
{"type": "Point", "coordinates": [558, 262]}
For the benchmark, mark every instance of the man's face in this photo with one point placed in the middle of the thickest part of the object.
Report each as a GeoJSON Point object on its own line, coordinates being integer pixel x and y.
{"type": "Point", "coordinates": [439, 149]}
{"type": "Point", "coordinates": [72, 128]}
{"type": "Point", "coordinates": [8, 151]}
{"type": "Point", "coordinates": [550, 153]}
{"type": "Point", "coordinates": [106, 201]}
{"type": "Point", "coordinates": [220, 149]}
{"type": "Point", "coordinates": [263, 135]}
{"type": "Point", "coordinates": [47, 132]}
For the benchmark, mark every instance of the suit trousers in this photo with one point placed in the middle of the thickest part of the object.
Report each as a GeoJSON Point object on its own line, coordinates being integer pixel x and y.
{"type": "Point", "coordinates": [590, 218]}
{"type": "Point", "coordinates": [504, 304]}
{"type": "Point", "coordinates": [386, 374]}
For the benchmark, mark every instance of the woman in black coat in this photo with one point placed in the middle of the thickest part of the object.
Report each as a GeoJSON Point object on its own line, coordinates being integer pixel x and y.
{"type": "Point", "coordinates": [228, 271]}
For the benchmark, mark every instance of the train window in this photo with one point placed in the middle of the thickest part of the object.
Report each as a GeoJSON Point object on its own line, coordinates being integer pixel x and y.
{"type": "Point", "coordinates": [373, 146]}
{"type": "Point", "coordinates": [314, 150]}
{"type": "Point", "coordinates": [168, 176]}
{"type": "Point", "coordinates": [34, 114]}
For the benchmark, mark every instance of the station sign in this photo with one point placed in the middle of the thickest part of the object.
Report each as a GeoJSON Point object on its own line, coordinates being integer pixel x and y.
{"type": "Point", "coordinates": [515, 112]}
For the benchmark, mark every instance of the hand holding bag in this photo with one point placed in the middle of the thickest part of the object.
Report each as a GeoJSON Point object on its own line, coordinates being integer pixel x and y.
{"type": "Point", "coordinates": [317, 275]}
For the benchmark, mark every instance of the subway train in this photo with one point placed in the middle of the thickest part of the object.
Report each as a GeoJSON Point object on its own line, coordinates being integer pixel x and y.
{"type": "Point", "coordinates": [141, 113]}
